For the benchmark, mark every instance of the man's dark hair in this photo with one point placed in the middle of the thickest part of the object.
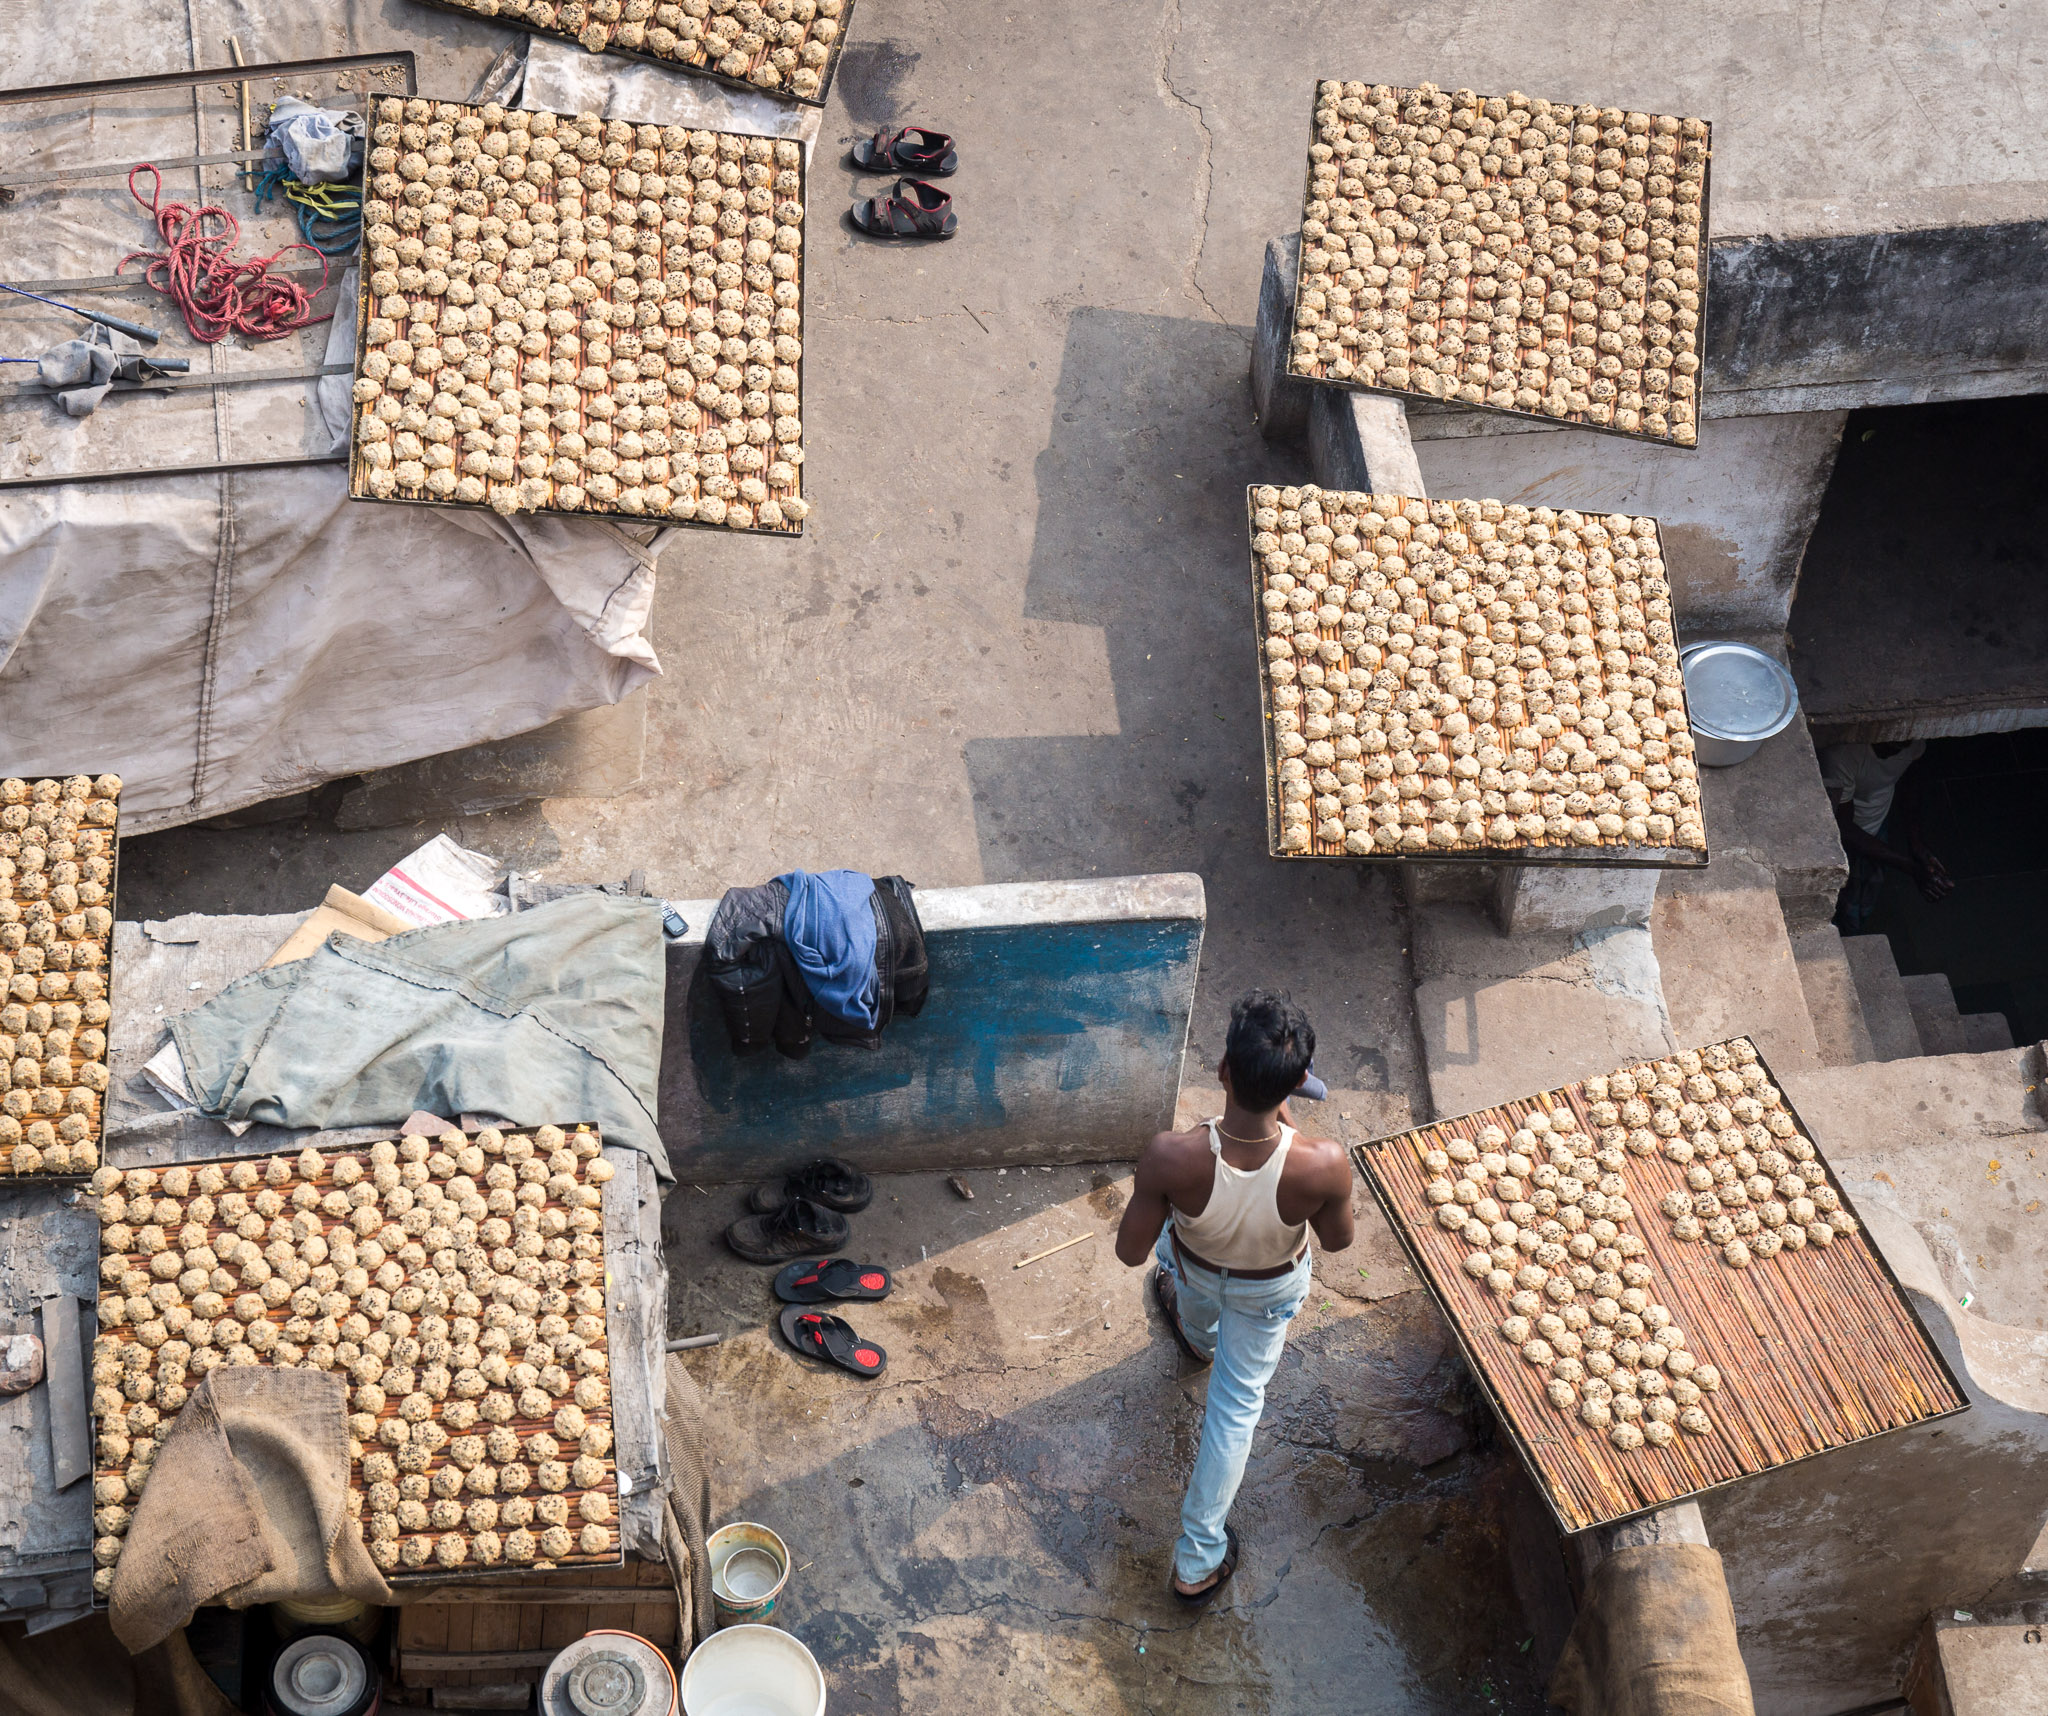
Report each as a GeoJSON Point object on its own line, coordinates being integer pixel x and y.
{"type": "Point", "coordinates": [1269, 1047]}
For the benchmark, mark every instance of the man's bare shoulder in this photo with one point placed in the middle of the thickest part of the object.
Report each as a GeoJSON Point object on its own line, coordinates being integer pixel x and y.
{"type": "Point", "coordinates": [1176, 1147]}
{"type": "Point", "coordinates": [1320, 1159]}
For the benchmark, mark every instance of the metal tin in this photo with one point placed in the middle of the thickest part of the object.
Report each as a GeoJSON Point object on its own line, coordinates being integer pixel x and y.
{"type": "Point", "coordinates": [682, 67]}
{"type": "Point", "coordinates": [1410, 397]}
{"type": "Point", "coordinates": [1737, 697]}
{"type": "Point", "coordinates": [323, 1673]}
{"type": "Point", "coordinates": [1564, 857]}
{"type": "Point", "coordinates": [749, 1569]}
{"type": "Point", "coordinates": [609, 1673]}
{"type": "Point", "coordinates": [661, 521]}
{"type": "Point", "coordinates": [1398, 1223]}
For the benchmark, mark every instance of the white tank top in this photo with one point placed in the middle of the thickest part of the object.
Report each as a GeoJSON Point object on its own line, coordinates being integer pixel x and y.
{"type": "Point", "coordinates": [1240, 1226]}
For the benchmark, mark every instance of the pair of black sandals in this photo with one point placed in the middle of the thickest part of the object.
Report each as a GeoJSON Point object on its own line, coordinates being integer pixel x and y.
{"type": "Point", "coordinates": [916, 208]}
{"type": "Point", "coordinates": [804, 1213]}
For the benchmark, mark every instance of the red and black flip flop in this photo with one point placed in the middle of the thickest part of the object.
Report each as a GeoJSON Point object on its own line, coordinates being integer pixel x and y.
{"type": "Point", "coordinates": [816, 1280]}
{"type": "Point", "coordinates": [916, 210]}
{"type": "Point", "coordinates": [832, 1339]}
{"type": "Point", "coordinates": [914, 149]}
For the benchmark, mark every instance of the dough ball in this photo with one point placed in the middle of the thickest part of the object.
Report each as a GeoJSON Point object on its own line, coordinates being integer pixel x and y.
{"type": "Point", "coordinates": [569, 1423]}
{"type": "Point", "coordinates": [520, 1547]}
{"type": "Point", "coordinates": [452, 1550]}
{"type": "Point", "coordinates": [555, 1542]}
{"type": "Point", "coordinates": [1625, 1437]}
{"type": "Point", "coordinates": [594, 1506]}
{"type": "Point", "coordinates": [594, 1540]}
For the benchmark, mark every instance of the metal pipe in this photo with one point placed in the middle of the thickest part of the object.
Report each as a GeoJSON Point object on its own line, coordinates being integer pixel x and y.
{"type": "Point", "coordinates": [148, 336]}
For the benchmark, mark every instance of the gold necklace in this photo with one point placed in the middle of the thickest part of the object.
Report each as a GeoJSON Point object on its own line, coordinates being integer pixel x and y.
{"type": "Point", "coordinates": [1270, 1137]}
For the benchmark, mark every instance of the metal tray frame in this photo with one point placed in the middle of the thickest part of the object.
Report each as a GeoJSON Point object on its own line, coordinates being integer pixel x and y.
{"type": "Point", "coordinates": [662, 521]}
{"type": "Point", "coordinates": [1395, 1220]}
{"type": "Point", "coordinates": [1541, 418]}
{"type": "Point", "coordinates": [682, 66]}
{"type": "Point", "coordinates": [401, 58]}
{"type": "Point", "coordinates": [1555, 857]}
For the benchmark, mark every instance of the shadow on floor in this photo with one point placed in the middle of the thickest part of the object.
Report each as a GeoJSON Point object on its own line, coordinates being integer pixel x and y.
{"type": "Point", "coordinates": [1985, 813]}
{"type": "Point", "coordinates": [989, 1525]}
{"type": "Point", "coordinates": [1179, 784]}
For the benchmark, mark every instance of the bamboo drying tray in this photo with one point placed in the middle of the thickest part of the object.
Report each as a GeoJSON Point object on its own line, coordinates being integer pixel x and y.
{"type": "Point", "coordinates": [1816, 1348]}
{"type": "Point", "coordinates": [678, 59]}
{"type": "Point", "coordinates": [662, 381]}
{"type": "Point", "coordinates": [1462, 214]}
{"type": "Point", "coordinates": [467, 1273]}
{"type": "Point", "coordinates": [53, 1094]}
{"type": "Point", "coordinates": [1382, 690]}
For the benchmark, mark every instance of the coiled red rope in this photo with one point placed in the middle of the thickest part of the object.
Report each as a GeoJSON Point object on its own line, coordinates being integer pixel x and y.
{"type": "Point", "coordinates": [216, 294]}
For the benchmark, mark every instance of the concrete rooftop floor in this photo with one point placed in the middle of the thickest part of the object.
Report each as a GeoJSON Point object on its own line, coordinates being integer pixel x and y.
{"type": "Point", "coordinates": [990, 1523]}
{"type": "Point", "coordinates": [1014, 643]}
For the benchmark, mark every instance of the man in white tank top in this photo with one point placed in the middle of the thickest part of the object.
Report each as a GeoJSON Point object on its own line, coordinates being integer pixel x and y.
{"type": "Point", "coordinates": [1226, 1210]}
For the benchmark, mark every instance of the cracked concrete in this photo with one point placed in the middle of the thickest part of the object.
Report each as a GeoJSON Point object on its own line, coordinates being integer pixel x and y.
{"type": "Point", "coordinates": [1205, 178]}
{"type": "Point", "coordinates": [989, 1525]}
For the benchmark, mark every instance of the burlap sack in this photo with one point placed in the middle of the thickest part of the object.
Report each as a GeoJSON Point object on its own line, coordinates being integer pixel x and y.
{"type": "Point", "coordinates": [80, 1671]}
{"type": "Point", "coordinates": [687, 1505]}
{"type": "Point", "coordinates": [1655, 1637]}
{"type": "Point", "coordinates": [247, 1503]}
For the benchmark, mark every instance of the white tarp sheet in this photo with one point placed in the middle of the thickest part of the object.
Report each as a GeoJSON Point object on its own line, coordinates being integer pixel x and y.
{"type": "Point", "coordinates": [220, 640]}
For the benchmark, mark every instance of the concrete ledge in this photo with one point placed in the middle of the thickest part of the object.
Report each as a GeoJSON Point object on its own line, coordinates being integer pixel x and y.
{"type": "Point", "coordinates": [1054, 1033]}
{"type": "Point", "coordinates": [1280, 400]}
{"type": "Point", "coordinates": [1834, 1563]}
{"type": "Point", "coordinates": [1360, 441]}
{"type": "Point", "coordinates": [1501, 1017]}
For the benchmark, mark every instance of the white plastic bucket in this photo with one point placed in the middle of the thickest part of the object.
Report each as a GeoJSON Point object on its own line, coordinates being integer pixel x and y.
{"type": "Point", "coordinates": [753, 1671]}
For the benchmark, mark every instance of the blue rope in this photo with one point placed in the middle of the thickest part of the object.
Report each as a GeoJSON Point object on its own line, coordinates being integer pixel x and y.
{"type": "Point", "coordinates": [331, 235]}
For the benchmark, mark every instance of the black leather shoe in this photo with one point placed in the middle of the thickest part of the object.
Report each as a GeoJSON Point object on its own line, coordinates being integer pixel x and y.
{"type": "Point", "coordinates": [798, 1228]}
{"type": "Point", "coordinates": [828, 1182]}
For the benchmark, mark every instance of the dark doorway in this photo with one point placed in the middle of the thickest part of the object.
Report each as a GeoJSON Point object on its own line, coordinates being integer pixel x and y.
{"type": "Point", "coordinates": [1920, 599]}
{"type": "Point", "coordinates": [1984, 810]}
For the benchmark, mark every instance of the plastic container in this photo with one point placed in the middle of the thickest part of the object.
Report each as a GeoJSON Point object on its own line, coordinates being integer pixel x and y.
{"type": "Point", "coordinates": [1737, 697]}
{"type": "Point", "coordinates": [749, 1568]}
{"type": "Point", "coordinates": [753, 1671]}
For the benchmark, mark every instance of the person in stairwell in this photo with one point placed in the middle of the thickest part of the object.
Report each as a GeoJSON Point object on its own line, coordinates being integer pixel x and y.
{"type": "Point", "coordinates": [1226, 1210]}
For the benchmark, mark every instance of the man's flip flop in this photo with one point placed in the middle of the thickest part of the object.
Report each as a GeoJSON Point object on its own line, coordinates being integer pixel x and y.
{"type": "Point", "coordinates": [1228, 1566]}
{"type": "Point", "coordinates": [914, 149]}
{"type": "Point", "coordinates": [1167, 1292]}
{"type": "Point", "coordinates": [815, 1280]}
{"type": "Point", "coordinates": [915, 211]}
{"type": "Point", "coordinates": [816, 1335]}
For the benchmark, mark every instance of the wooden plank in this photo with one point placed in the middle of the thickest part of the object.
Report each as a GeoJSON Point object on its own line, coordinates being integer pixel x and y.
{"type": "Point", "coordinates": [422, 1632]}
{"type": "Point", "coordinates": [452, 1668]}
{"type": "Point", "coordinates": [494, 1628]}
{"type": "Point", "coordinates": [537, 1596]}
{"type": "Point", "coordinates": [1816, 1348]}
{"type": "Point", "coordinates": [655, 1622]}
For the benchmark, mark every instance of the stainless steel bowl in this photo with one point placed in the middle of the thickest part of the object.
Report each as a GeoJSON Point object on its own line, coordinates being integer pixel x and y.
{"type": "Point", "coordinates": [1737, 698]}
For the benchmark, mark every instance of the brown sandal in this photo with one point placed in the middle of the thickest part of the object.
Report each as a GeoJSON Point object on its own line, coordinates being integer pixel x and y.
{"type": "Point", "coordinates": [914, 210]}
{"type": "Point", "coordinates": [914, 149]}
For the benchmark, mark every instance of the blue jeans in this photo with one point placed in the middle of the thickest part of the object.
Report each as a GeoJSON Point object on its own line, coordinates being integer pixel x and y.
{"type": "Point", "coordinates": [1242, 1327]}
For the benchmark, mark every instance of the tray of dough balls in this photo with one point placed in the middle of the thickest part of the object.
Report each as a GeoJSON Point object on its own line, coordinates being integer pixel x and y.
{"type": "Point", "coordinates": [58, 849]}
{"type": "Point", "coordinates": [458, 1284]}
{"type": "Point", "coordinates": [788, 46]}
{"type": "Point", "coordinates": [1507, 253]}
{"type": "Point", "coordinates": [567, 314]}
{"type": "Point", "coordinates": [1659, 1281]}
{"type": "Point", "coordinates": [1469, 679]}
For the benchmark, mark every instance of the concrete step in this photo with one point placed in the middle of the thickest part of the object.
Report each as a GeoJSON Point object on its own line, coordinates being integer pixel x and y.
{"type": "Point", "coordinates": [1934, 1013]}
{"type": "Point", "coordinates": [1503, 1016]}
{"type": "Point", "coordinates": [1727, 963]}
{"type": "Point", "coordinates": [1958, 1146]}
{"type": "Point", "coordinates": [1980, 1669]}
{"type": "Point", "coordinates": [1893, 1035]}
{"type": "Point", "coordinates": [1986, 1032]}
{"type": "Point", "coordinates": [1831, 999]}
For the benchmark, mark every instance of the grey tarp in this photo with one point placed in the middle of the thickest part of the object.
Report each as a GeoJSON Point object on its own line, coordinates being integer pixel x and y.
{"type": "Point", "coordinates": [552, 1015]}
